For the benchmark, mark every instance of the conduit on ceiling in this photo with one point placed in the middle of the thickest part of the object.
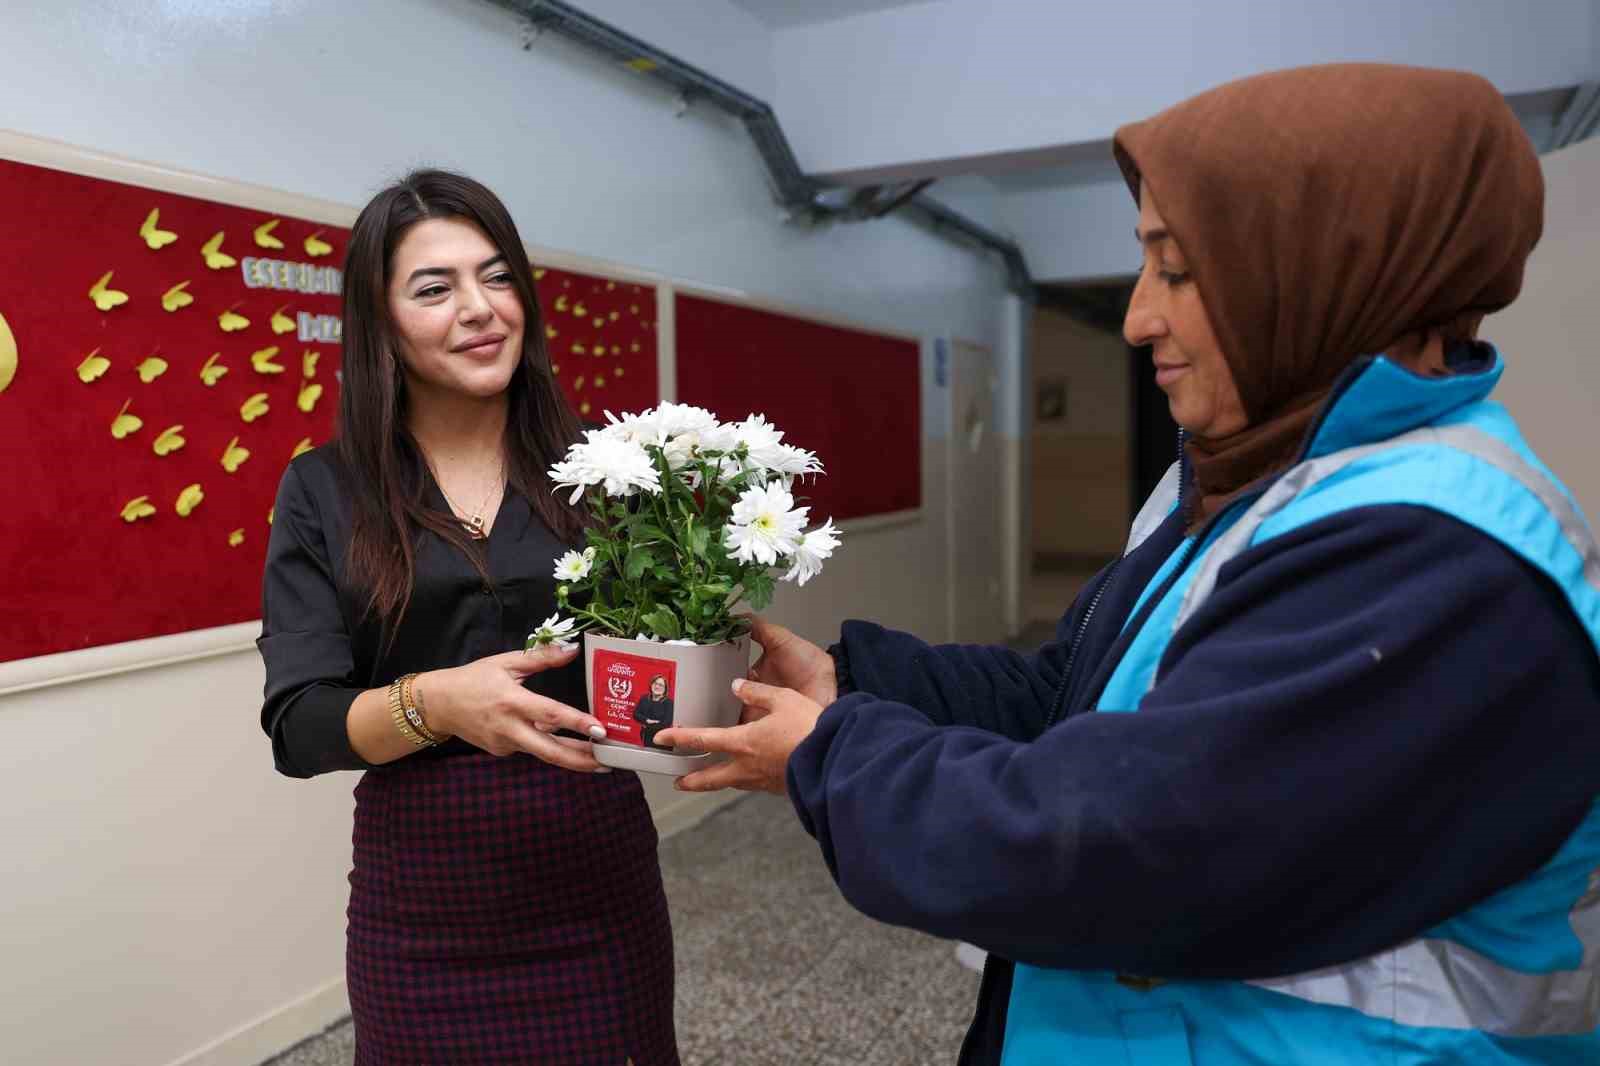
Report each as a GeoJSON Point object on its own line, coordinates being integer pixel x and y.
{"type": "Point", "coordinates": [805, 198]}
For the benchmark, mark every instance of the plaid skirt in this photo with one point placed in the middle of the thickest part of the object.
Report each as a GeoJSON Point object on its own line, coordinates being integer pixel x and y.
{"type": "Point", "coordinates": [506, 911]}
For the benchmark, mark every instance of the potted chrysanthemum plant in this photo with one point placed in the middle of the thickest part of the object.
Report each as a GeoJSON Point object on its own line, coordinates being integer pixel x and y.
{"type": "Point", "coordinates": [692, 518]}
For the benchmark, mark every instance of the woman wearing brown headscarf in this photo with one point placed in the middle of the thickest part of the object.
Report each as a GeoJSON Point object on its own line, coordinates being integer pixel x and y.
{"type": "Point", "coordinates": [1355, 818]}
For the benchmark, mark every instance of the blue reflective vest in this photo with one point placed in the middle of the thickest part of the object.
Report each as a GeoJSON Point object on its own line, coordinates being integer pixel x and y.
{"type": "Point", "coordinates": [1514, 979]}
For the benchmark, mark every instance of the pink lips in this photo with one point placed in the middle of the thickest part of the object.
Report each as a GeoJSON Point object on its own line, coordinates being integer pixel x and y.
{"type": "Point", "coordinates": [480, 345]}
{"type": "Point", "coordinates": [1167, 373]}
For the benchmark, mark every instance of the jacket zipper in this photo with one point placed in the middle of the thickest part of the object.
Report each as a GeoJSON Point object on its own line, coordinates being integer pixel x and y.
{"type": "Point", "coordinates": [1072, 653]}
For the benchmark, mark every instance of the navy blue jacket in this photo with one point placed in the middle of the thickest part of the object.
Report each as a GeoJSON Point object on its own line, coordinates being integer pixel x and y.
{"type": "Point", "coordinates": [1373, 723]}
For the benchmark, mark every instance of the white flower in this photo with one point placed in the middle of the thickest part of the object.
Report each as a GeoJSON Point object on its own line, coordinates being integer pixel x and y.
{"type": "Point", "coordinates": [575, 566]}
{"type": "Point", "coordinates": [729, 468]}
{"type": "Point", "coordinates": [815, 546]}
{"type": "Point", "coordinates": [766, 524]}
{"type": "Point", "coordinates": [659, 425]}
{"type": "Point", "coordinates": [686, 432]}
{"type": "Point", "coordinates": [792, 462]}
{"type": "Point", "coordinates": [721, 437]}
{"type": "Point", "coordinates": [682, 450]}
{"type": "Point", "coordinates": [555, 631]}
{"type": "Point", "coordinates": [762, 439]}
{"type": "Point", "coordinates": [629, 427]}
{"type": "Point", "coordinates": [681, 431]}
{"type": "Point", "coordinates": [676, 419]}
{"type": "Point", "coordinates": [622, 466]}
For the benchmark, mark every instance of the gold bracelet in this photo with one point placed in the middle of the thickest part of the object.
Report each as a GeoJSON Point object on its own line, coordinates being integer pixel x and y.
{"type": "Point", "coordinates": [397, 711]}
{"type": "Point", "coordinates": [411, 701]}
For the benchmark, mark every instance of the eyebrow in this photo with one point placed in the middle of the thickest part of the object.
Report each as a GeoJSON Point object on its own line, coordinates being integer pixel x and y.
{"type": "Point", "coordinates": [449, 272]}
{"type": "Point", "coordinates": [1154, 236]}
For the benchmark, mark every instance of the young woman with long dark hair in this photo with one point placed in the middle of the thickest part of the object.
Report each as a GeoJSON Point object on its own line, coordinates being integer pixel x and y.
{"type": "Point", "coordinates": [505, 899]}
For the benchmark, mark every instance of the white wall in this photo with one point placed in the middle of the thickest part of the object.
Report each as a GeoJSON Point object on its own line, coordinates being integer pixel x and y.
{"type": "Point", "coordinates": [935, 88]}
{"type": "Point", "coordinates": [1552, 380]}
{"type": "Point", "coordinates": [164, 893]}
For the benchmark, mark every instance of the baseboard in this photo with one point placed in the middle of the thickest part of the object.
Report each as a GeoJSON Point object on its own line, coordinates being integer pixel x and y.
{"type": "Point", "coordinates": [275, 1032]}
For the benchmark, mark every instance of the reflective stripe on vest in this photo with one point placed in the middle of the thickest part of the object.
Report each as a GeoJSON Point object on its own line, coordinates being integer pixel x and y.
{"type": "Point", "coordinates": [1442, 985]}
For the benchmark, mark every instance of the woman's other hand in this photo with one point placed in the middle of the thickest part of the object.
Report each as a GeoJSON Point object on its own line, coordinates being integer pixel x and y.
{"type": "Point", "coordinates": [485, 704]}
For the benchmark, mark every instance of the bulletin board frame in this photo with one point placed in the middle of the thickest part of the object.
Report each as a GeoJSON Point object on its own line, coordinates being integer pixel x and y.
{"type": "Point", "coordinates": [85, 664]}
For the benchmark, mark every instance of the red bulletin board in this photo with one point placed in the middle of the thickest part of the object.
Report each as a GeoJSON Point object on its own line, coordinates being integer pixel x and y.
{"type": "Point", "coordinates": [209, 356]}
{"type": "Point", "coordinates": [851, 396]}
{"type": "Point", "coordinates": [601, 335]}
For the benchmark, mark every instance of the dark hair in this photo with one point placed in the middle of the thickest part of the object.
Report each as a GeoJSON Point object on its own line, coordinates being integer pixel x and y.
{"type": "Point", "coordinates": [374, 442]}
{"type": "Point", "coordinates": [661, 678]}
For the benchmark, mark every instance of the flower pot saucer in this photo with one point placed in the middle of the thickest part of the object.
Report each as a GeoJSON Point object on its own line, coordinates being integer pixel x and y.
{"type": "Point", "coordinates": [632, 757]}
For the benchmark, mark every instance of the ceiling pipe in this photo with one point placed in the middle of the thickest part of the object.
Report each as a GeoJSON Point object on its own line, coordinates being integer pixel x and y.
{"type": "Point", "coordinates": [1581, 119]}
{"type": "Point", "coordinates": [804, 197]}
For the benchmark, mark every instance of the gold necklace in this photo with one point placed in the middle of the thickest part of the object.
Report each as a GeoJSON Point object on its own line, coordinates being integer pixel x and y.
{"type": "Point", "coordinates": [474, 523]}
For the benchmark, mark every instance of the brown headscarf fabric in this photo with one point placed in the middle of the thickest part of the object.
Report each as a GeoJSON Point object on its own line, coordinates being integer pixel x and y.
{"type": "Point", "coordinates": [1331, 212]}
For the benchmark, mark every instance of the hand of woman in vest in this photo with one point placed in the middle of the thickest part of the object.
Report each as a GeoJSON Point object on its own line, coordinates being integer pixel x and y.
{"type": "Point", "coordinates": [789, 661]}
{"type": "Point", "coordinates": [773, 723]}
{"type": "Point", "coordinates": [485, 704]}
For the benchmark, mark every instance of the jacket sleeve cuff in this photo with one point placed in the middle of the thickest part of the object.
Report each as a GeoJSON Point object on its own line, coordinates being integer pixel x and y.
{"type": "Point", "coordinates": [843, 683]}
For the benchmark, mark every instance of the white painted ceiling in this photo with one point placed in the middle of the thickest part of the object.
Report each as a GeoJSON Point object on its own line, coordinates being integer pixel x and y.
{"type": "Point", "coordinates": [781, 13]}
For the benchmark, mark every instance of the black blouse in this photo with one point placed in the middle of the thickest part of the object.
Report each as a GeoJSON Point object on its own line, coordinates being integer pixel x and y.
{"type": "Point", "coordinates": [322, 650]}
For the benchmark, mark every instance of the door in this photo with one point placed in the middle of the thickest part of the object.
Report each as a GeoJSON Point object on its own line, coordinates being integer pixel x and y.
{"type": "Point", "coordinates": [973, 477]}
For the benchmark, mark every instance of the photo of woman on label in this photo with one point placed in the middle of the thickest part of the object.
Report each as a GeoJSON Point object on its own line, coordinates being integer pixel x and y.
{"type": "Point", "coordinates": [653, 712]}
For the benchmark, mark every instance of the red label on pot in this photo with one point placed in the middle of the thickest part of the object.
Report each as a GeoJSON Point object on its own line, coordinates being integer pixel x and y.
{"type": "Point", "coordinates": [632, 695]}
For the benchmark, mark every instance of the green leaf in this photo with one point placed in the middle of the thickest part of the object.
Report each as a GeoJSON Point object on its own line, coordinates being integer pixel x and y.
{"type": "Point", "coordinates": [699, 540]}
{"type": "Point", "coordinates": [649, 531]}
{"type": "Point", "coordinates": [663, 623]}
{"type": "Point", "coordinates": [716, 591]}
{"type": "Point", "coordinates": [639, 560]}
{"type": "Point", "coordinates": [758, 589]}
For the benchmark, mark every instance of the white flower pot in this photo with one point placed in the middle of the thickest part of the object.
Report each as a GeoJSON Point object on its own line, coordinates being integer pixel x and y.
{"type": "Point", "coordinates": [698, 681]}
